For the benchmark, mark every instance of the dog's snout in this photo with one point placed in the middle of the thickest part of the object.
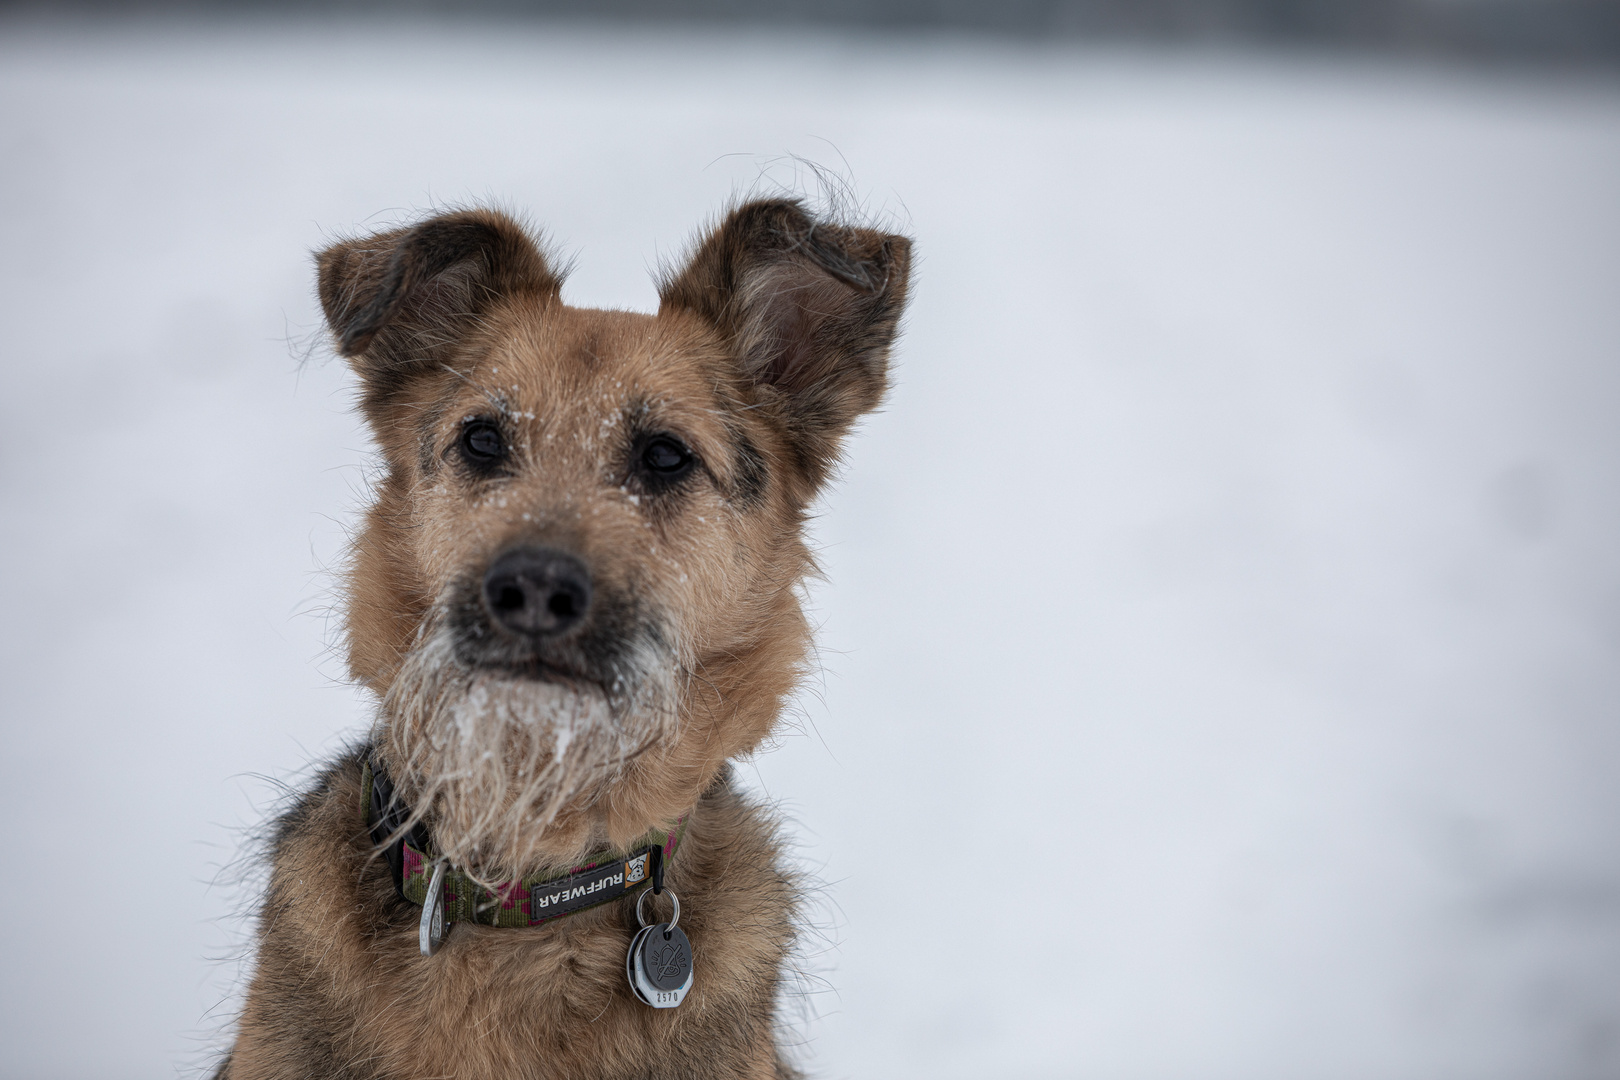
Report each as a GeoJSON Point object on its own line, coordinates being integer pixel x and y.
{"type": "Point", "coordinates": [537, 591]}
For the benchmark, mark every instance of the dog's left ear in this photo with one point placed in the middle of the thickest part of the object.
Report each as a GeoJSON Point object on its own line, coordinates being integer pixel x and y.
{"type": "Point", "coordinates": [810, 309]}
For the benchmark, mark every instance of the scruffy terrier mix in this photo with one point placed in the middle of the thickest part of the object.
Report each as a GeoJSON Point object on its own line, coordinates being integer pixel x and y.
{"type": "Point", "coordinates": [576, 599]}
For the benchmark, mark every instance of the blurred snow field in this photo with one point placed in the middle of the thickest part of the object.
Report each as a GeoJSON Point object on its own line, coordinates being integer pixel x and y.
{"type": "Point", "coordinates": [1221, 623]}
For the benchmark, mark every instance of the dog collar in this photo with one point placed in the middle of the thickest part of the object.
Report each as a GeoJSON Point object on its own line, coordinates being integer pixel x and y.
{"type": "Point", "coordinates": [528, 901]}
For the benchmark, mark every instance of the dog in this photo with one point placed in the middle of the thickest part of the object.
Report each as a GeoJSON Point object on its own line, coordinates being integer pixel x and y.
{"type": "Point", "coordinates": [576, 599]}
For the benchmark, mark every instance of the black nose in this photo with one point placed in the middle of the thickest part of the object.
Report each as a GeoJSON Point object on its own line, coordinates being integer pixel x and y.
{"type": "Point", "coordinates": [537, 591]}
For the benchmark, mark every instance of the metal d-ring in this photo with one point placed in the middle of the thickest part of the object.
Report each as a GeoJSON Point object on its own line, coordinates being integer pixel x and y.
{"type": "Point", "coordinates": [675, 918]}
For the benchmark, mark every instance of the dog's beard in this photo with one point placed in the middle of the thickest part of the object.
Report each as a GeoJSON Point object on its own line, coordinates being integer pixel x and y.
{"type": "Point", "coordinates": [492, 758]}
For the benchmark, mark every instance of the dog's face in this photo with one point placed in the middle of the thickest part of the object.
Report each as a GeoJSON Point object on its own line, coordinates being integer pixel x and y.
{"type": "Point", "coordinates": [576, 590]}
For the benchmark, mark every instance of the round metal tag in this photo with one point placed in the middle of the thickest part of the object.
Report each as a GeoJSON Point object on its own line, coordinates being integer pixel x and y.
{"type": "Point", "coordinates": [630, 957]}
{"type": "Point", "coordinates": [660, 965]}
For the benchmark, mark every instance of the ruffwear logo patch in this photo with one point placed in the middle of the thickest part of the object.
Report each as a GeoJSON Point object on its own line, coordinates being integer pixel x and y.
{"type": "Point", "coordinates": [635, 869]}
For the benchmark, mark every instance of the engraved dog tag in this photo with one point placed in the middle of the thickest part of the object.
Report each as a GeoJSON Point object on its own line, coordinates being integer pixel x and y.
{"type": "Point", "coordinates": [659, 965]}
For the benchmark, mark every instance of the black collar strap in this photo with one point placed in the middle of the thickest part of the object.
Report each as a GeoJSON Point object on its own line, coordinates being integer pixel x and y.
{"type": "Point", "coordinates": [527, 902]}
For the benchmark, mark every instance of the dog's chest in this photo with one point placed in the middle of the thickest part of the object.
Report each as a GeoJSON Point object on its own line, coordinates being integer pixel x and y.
{"type": "Point", "coordinates": [550, 1002]}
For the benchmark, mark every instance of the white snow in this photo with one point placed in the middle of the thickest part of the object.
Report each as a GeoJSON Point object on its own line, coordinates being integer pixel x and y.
{"type": "Point", "coordinates": [1222, 620]}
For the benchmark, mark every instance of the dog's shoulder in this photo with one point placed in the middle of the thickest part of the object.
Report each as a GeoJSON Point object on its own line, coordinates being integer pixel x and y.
{"type": "Point", "coordinates": [334, 790]}
{"type": "Point", "coordinates": [322, 833]}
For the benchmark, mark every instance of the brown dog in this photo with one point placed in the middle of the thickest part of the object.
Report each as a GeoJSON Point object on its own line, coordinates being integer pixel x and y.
{"type": "Point", "coordinates": [576, 599]}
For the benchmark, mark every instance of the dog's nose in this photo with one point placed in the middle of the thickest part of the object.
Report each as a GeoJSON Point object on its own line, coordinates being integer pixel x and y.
{"type": "Point", "coordinates": [537, 591]}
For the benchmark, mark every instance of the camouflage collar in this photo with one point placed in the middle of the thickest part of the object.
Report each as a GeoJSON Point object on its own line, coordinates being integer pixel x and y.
{"type": "Point", "coordinates": [529, 901]}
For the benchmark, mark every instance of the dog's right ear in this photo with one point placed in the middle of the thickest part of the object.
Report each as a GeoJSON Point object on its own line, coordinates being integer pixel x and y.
{"type": "Point", "coordinates": [397, 302]}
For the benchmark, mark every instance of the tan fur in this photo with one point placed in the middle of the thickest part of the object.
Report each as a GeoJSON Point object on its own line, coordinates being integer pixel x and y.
{"type": "Point", "coordinates": [768, 344]}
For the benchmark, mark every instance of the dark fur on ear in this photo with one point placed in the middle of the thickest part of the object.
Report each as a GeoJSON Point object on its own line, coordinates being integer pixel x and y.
{"type": "Point", "coordinates": [809, 308]}
{"type": "Point", "coordinates": [396, 301]}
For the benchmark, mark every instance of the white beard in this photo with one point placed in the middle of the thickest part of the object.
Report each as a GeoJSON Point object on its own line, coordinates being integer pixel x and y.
{"type": "Point", "coordinates": [494, 757]}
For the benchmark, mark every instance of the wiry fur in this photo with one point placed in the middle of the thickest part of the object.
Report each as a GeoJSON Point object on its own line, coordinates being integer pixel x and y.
{"type": "Point", "coordinates": [524, 755]}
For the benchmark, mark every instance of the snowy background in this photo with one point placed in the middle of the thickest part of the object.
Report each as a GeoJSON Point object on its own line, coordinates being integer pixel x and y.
{"type": "Point", "coordinates": [1236, 566]}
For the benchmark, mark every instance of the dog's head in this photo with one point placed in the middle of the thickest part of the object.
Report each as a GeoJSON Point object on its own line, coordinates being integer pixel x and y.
{"type": "Point", "coordinates": [575, 593]}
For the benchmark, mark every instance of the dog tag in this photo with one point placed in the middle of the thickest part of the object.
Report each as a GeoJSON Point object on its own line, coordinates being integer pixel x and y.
{"type": "Point", "coordinates": [660, 965]}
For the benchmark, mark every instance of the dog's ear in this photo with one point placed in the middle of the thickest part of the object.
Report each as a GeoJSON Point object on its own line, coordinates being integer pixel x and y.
{"type": "Point", "coordinates": [397, 301]}
{"type": "Point", "coordinates": [810, 310]}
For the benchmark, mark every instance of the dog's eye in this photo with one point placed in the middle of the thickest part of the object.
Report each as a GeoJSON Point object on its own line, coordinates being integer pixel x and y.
{"type": "Point", "coordinates": [665, 458]}
{"type": "Point", "coordinates": [481, 443]}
